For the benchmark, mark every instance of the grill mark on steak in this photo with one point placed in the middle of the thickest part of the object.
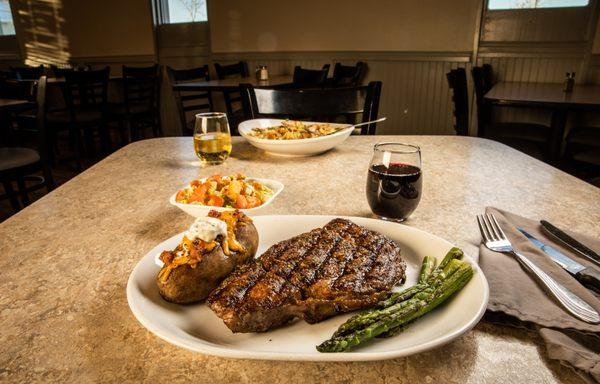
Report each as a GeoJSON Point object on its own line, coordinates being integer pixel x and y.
{"type": "Point", "coordinates": [353, 276]}
{"type": "Point", "coordinates": [336, 268]}
{"type": "Point", "coordinates": [308, 268]}
{"type": "Point", "coordinates": [301, 247]}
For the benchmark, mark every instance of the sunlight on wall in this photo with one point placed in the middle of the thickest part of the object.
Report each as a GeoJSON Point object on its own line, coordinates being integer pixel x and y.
{"type": "Point", "coordinates": [41, 23]}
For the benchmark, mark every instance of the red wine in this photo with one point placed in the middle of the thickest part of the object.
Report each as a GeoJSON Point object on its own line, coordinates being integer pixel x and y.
{"type": "Point", "coordinates": [394, 192]}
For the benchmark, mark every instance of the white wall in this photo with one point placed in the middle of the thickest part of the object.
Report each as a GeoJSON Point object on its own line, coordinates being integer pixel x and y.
{"type": "Point", "coordinates": [350, 25]}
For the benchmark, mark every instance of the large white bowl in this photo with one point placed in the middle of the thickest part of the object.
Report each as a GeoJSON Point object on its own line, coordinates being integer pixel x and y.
{"type": "Point", "coordinates": [292, 148]}
{"type": "Point", "coordinates": [197, 210]}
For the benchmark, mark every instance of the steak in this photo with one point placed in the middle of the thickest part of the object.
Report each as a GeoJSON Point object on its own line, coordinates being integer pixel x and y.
{"type": "Point", "coordinates": [337, 268]}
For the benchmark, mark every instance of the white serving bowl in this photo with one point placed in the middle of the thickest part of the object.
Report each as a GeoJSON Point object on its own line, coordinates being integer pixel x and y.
{"type": "Point", "coordinates": [197, 210]}
{"type": "Point", "coordinates": [292, 148]}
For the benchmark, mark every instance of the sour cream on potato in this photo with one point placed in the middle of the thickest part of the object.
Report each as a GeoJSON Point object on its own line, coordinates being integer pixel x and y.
{"type": "Point", "coordinates": [206, 229]}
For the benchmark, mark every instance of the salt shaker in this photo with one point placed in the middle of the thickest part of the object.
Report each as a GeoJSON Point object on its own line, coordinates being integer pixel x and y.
{"type": "Point", "coordinates": [262, 73]}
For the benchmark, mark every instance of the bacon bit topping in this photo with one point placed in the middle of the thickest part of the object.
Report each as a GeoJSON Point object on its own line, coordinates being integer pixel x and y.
{"type": "Point", "coordinates": [191, 252]}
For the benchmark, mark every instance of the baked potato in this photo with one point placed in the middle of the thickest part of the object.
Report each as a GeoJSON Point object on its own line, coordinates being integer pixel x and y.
{"type": "Point", "coordinates": [197, 266]}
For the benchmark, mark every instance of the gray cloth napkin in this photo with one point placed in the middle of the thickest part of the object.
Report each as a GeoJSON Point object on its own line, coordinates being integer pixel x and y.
{"type": "Point", "coordinates": [516, 293]}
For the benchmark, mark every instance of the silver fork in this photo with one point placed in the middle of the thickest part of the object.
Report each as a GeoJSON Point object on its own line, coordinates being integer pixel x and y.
{"type": "Point", "coordinates": [495, 240]}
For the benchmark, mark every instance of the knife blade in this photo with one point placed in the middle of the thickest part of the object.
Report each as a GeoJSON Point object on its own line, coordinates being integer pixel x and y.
{"type": "Point", "coordinates": [587, 276]}
{"type": "Point", "coordinates": [573, 244]}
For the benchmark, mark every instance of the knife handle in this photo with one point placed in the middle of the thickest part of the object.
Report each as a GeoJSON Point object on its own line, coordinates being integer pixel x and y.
{"type": "Point", "coordinates": [590, 277]}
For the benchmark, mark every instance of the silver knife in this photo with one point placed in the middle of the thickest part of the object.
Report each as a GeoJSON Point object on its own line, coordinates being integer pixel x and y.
{"type": "Point", "coordinates": [573, 244]}
{"type": "Point", "coordinates": [587, 276]}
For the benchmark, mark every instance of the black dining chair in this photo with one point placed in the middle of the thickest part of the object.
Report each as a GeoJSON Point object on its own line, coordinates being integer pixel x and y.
{"type": "Point", "coordinates": [531, 138]}
{"type": "Point", "coordinates": [457, 81]}
{"type": "Point", "coordinates": [19, 165]}
{"type": "Point", "coordinates": [310, 78]}
{"type": "Point", "coordinates": [28, 73]}
{"type": "Point", "coordinates": [86, 99]}
{"type": "Point", "coordinates": [190, 102]}
{"type": "Point", "coordinates": [348, 75]}
{"type": "Point", "coordinates": [235, 111]}
{"type": "Point", "coordinates": [315, 104]}
{"type": "Point", "coordinates": [582, 153]}
{"type": "Point", "coordinates": [140, 108]}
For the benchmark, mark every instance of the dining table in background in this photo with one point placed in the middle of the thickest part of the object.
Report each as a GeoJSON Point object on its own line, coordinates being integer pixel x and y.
{"type": "Point", "coordinates": [232, 84]}
{"type": "Point", "coordinates": [8, 106]}
{"type": "Point", "coordinates": [67, 258]}
{"type": "Point", "coordinates": [549, 96]}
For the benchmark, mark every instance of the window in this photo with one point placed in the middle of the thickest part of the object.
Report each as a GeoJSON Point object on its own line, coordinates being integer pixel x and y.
{"type": "Point", "coordinates": [528, 4]}
{"type": "Point", "coordinates": [6, 23]}
{"type": "Point", "coordinates": [182, 11]}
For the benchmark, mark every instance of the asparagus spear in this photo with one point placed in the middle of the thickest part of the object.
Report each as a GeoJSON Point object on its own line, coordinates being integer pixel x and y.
{"type": "Point", "coordinates": [427, 268]}
{"type": "Point", "coordinates": [440, 275]}
{"type": "Point", "coordinates": [454, 253]}
{"type": "Point", "coordinates": [415, 309]}
{"type": "Point", "coordinates": [367, 317]}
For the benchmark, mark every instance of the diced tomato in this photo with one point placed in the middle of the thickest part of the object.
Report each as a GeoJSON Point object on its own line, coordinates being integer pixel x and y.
{"type": "Point", "coordinates": [180, 195]}
{"type": "Point", "coordinates": [195, 183]}
{"type": "Point", "coordinates": [199, 194]}
{"type": "Point", "coordinates": [241, 202]}
{"type": "Point", "coordinates": [253, 201]}
{"type": "Point", "coordinates": [215, 201]}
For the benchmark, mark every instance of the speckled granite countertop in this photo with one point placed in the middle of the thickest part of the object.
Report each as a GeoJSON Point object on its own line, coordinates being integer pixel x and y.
{"type": "Point", "coordinates": [65, 260]}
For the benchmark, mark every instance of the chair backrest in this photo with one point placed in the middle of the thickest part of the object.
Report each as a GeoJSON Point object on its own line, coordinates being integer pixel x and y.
{"type": "Point", "coordinates": [307, 78]}
{"type": "Point", "coordinates": [190, 102]}
{"type": "Point", "coordinates": [322, 104]}
{"type": "Point", "coordinates": [348, 75]}
{"type": "Point", "coordinates": [43, 145]}
{"type": "Point", "coordinates": [84, 89]}
{"type": "Point", "coordinates": [28, 73]}
{"type": "Point", "coordinates": [457, 81]}
{"type": "Point", "coordinates": [232, 97]}
{"type": "Point", "coordinates": [237, 69]}
{"type": "Point", "coordinates": [483, 82]}
{"type": "Point", "coordinates": [141, 87]}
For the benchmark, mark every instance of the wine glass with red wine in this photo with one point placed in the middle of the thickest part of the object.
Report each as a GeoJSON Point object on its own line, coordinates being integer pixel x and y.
{"type": "Point", "coordinates": [395, 180]}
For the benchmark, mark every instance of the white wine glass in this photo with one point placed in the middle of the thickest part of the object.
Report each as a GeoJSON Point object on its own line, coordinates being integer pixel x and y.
{"type": "Point", "coordinates": [212, 140]}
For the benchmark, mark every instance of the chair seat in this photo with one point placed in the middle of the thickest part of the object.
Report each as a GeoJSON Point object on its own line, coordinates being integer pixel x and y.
{"type": "Point", "coordinates": [531, 148]}
{"type": "Point", "coordinates": [589, 136]}
{"type": "Point", "coordinates": [524, 131]}
{"type": "Point", "coordinates": [119, 109]}
{"type": "Point", "coordinates": [594, 181]}
{"type": "Point", "coordinates": [591, 157]}
{"type": "Point", "coordinates": [12, 158]}
{"type": "Point", "coordinates": [84, 115]}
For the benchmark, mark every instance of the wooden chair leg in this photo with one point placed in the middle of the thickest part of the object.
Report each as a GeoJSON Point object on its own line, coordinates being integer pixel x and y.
{"type": "Point", "coordinates": [134, 131]}
{"type": "Point", "coordinates": [23, 191]}
{"type": "Point", "coordinates": [123, 133]}
{"type": "Point", "coordinates": [12, 196]}
{"type": "Point", "coordinates": [104, 138]}
{"type": "Point", "coordinates": [77, 144]}
{"type": "Point", "coordinates": [88, 136]}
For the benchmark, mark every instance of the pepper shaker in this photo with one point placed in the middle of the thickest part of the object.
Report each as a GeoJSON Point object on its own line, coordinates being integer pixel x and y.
{"type": "Point", "coordinates": [569, 82]}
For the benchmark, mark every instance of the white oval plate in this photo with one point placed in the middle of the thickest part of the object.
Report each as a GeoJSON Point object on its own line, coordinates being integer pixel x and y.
{"type": "Point", "coordinates": [292, 148]}
{"type": "Point", "coordinates": [198, 210]}
{"type": "Point", "coordinates": [197, 328]}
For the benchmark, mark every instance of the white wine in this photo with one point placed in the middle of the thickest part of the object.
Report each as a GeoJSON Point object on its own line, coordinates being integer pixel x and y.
{"type": "Point", "coordinates": [212, 148]}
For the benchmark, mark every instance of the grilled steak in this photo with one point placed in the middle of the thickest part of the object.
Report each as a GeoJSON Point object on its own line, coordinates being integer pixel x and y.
{"type": "Point", "coordinates": [338, 268]}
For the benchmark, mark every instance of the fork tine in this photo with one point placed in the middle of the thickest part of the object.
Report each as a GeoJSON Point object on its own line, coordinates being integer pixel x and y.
{"type": "Point", "coordinates": [494, 228]}
{"type": "Point", "coordinates": [488, 227]}
{"type": "Point", "coordinates": [498, 227]}
{"type": "Point", "coordinates": [482, 229]}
